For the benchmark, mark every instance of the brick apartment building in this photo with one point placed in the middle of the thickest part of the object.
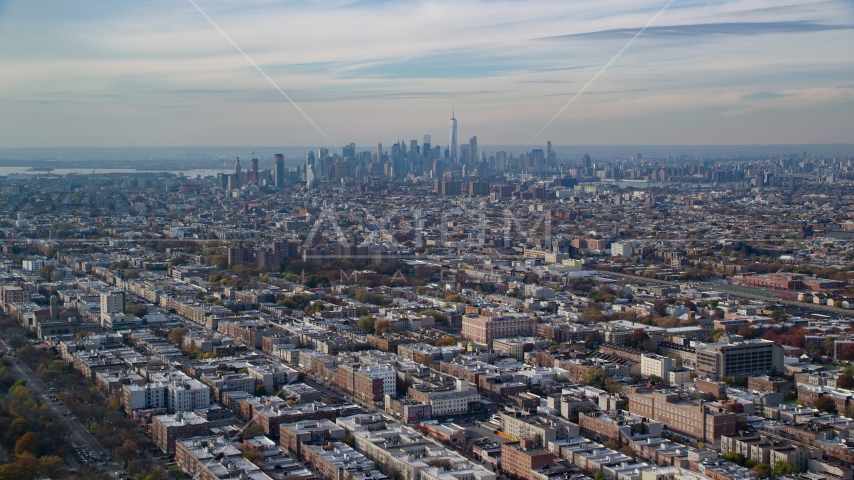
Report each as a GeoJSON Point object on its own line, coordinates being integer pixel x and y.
{"type": "Point", "coordinates": [765, 384]}
{"type": "Point", "coordinates": [360, 386]}
{"type": "Point", "coordinates": [484, 330]}
{"type": "Point", "coordinates": [696, 420]}
{"type": "Point", "coordinates": [601, 426]}
{"type": "Point", "coordinates": [521, 458]}
{"type": "Point", "coordinates": [166, 429]}
{"type": "Point", "coordinates": [388, 342]}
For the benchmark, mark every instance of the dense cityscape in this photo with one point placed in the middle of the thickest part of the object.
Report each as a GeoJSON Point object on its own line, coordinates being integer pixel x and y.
{"type": "Point", "coordinates": [428, 312]}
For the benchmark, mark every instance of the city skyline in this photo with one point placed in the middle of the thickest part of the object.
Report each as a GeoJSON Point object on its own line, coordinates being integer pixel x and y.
{"type": "Point", "coordinates": [158, 74]}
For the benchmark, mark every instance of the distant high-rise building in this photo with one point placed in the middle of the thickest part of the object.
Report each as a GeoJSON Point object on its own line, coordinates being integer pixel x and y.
{"type": "Point", "coordinates": [538, 158]}
{"type": "Point", "coordinates": [349, 151]}
{"type": "Point", "coordinates": [586, 162]}
{"type": "Point", "coordinates": [255, 170]}
{"type": "Point", "coordinates": [379, 151]}
{"type": "Point", "coordinates": [279, 170]}
{"type": "Point", "coordinates": [237, 181]}
{"type": "Point", "coordinates": [501, 161]}
{"type": "Point", "coordinates": [473, 150]}
{"type": "Point", "coordinates": [453, 138]}
{"type": "Point", "coordinates": [427, 145]}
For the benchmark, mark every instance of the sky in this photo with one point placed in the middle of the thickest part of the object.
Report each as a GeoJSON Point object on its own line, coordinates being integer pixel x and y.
{"type": "Point", "coordinates": [158, 73]}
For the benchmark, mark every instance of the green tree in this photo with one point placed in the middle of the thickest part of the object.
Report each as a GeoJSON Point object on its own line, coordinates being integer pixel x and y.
{"type": "Point", "coordinates": [46, 272]}
{"type": "Point", "coordinates": [763, 470]}
{"type": "Point", "coordinates": [254, 457]}
{"type": "Point", "coordinates": [366, 324]}
{"type": "Point", "coordinates": [783, 468]}
{"type": "Point", "coordinates": [537, 390]}
{"type": "Point", "coordinates": [825, 404]}
{"type": "Point", "coordinates": [598, 476]}
{"type": "Point", "coordinates": [595, 378]}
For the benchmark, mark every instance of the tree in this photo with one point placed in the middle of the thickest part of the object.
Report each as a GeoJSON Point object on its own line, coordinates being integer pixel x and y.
{"type": "Point", "coordinates": [783, 467]}
{"type": "Point", "coordinates": [254, 457]}
{"type": "Point", "coordinates": [127, 451]}
{"type": "Point", "coordinates": [381, 326]}
{"type": "Point", "coordinates": [591, 315]}
{"type": "Point", "coordinates": [366, 324]}
{"type": "Point", "coordinates": [611, 445]}
{"type": "Point", "coordinates": [46, 272]}
{"type": "Point", "coordinates": [825, 404]}
{"type": "Point", "coordinates": [845, 381]}
{"type": "Point", "coordinates": [15, 471]}
{"type": "Point", "coordinates": [28, 444]}
{"type": "Point", "coordinates": [714, 335]}
{"type": "Point", "coordinates": [595, 378]}
{"type": "Point", "coordinates": [176, 336]}
{"type": "Point", "coordinates": [538, 440]}
{"type": "Point", "coordinates": [393, 473]}
{"type": "Point", "coordinates": [598, 476]}
{"type": "Point", "coordinates": [748, 332]}
{"type": "Point", "coordinates": [628, 451]}
{"type": "Point", "coordinates": [537, 390]}
{"type": "Point", "coordinates": [763, 470]}
{"type": "Point", "coordinates": [52, 466]}
{"type": "Point", "coordinates": [445, 341]}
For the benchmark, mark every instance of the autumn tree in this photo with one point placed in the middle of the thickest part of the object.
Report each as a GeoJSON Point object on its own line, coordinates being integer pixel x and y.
{"type": "Point", "coordinates": [127, 451]}
{"type": "Point", "coordinates": [381, 326]}
{"type": "Point", "coordinates": [28, 444]}
{"type": "Point", "coordinates": [176, 336]}
{"type": "Point", "coordinates": [845, 381]}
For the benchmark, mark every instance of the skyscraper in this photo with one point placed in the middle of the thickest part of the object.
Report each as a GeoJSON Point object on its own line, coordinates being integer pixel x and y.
{"type": "Point", "coordinates": [279, 170]}
{"type": "Point", "coordinates": [238, 175]}
{"type": "Point", "coordinates": [349, 151]}
{"type": "Point", "coordinates": [426, 149]}
{"type": "Point", "coordinates": [473, 150]}
{"type": "Point", "coordinates": [453, 140]}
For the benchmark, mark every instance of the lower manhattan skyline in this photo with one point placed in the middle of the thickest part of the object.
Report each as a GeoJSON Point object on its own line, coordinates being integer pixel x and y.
{"type": "Point", "coordinates": [588, 73]}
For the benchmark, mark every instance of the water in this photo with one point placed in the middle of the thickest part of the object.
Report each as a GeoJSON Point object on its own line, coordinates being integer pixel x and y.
{"type": "Point", "coordinates": [191, 173]}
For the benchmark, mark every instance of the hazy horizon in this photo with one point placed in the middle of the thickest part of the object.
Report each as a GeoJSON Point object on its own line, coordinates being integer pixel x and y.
{"type": "Point", "coordinates": [12, 156]}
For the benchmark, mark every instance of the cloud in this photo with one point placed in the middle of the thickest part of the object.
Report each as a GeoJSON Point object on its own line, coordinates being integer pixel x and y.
{"type": "Point", "coordinates": [368, 67]}
{"type": "Point", "coordinates": [705, 29]}
{"type": "Point", "coordinates": [762, 96]}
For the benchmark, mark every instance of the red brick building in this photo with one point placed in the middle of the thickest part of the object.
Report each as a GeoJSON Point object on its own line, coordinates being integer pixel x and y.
{"type": "Point", "coordinates": [484, 330]}
{"type": "Point", "coordinates": [520, 458]}
{"type": "Point", "coordinates": [697, 420]}
{"type": "Point", "coordinates": [360, 385]}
